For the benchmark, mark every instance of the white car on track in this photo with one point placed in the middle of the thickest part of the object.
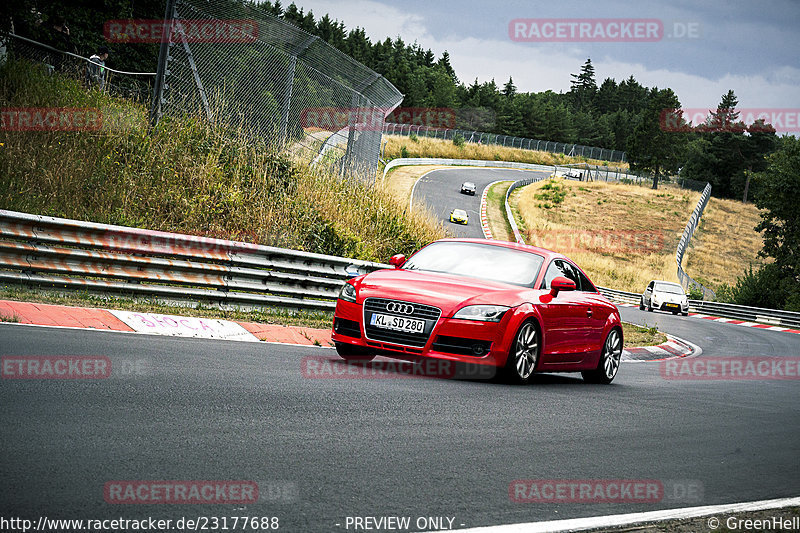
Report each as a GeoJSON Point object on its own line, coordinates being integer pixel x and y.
{"type": "Point", "coordinates": [665, 296]}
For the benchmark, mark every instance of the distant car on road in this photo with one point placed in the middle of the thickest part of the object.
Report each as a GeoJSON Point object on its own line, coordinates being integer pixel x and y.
{"type": "Point", "coordinates": [665, 296]}
{"type": "Point", "coordinates": [459, 216]}
{"type": "Point", "coordinates": [468, 188]}
{"type": "Point", "coordinates": [574, 175]}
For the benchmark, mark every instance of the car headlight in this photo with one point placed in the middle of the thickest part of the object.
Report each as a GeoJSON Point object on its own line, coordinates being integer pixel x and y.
{"type": "Point", "coordinates": [348, 293]}
{"type": "Point", "coordinates": [484, 313]}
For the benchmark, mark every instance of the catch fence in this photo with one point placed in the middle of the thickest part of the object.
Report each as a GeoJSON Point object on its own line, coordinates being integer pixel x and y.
{"type": "Point", "coordinates": [274, 81]}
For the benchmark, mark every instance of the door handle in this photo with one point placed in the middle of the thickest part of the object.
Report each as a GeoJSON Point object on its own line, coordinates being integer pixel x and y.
{"type": "Point", "coordinates": [589, 312]}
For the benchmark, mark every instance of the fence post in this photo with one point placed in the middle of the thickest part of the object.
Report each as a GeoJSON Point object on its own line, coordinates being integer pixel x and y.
{"type": "Point", "coordinates": [163, 53]}
{"type": "Point", "coordinates": [287, 97]}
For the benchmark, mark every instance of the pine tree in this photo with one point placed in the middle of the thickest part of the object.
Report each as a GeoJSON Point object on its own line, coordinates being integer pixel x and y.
{"type": "Point", "coordinates": [509, 89]}
{"type": "Point", "coordinates": [653, 147]}
{"type": "Point", "coordinates": [583, 86]}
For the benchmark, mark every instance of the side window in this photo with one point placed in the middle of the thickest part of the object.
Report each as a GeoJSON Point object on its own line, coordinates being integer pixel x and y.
{"type": "Point", "coordinates": [585, 285]}
{"type": "Point", "coordinates": [560, 268]}
{"type": "Point", "coordinates": [570, 272]}
{"type": "Point", "coordinates": [553, 271]}
{"type": "Point", "coordinates": [650, 287]}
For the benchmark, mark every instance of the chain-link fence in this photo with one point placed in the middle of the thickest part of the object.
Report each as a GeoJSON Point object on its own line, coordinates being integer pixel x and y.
{"type": "Point", "coordinates": [481, 137]}
{"type": "Point", "coordinates": [273, 81]}
{"type": "Point", "coordinates": [134, 85]}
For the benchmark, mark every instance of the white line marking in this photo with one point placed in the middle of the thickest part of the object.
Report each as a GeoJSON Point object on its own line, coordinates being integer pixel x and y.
{"type": "Point", "coordinates": [597, 522]}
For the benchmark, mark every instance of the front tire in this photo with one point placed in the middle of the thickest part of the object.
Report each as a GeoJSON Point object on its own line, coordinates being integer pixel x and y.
{"type": "Point", "coordinates": [641, 304]}
{"type": "Point", "coordinates": [348, 352]}
{"type": "Point", "coordinates": [608, 365]}
{"type": "Point", "coordinates": [523, 356]}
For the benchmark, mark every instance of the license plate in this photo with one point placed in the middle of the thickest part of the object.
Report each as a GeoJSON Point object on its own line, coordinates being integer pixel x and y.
{"type": "Point", "coordinates": [672, 305]}
{"type": "Point", "coordinates": [398, 323]}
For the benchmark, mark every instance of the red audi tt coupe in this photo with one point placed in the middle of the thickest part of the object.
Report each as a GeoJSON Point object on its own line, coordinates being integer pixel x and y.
{"type": "Point", "coordinates": [515, 307]}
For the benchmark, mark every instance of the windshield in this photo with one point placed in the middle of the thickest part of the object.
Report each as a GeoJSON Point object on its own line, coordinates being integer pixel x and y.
{"type": "Point", "coordinates": [475, 260]}
{"type": "Point", "coordinates": [670, 288]}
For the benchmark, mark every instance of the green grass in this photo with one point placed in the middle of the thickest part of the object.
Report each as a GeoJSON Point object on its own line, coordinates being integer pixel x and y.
{"type": "Point", "coordinates": [636, 336]}
{"type": "Point", "coordinates": [189, 176]}
{"type": "Point", "coordinates": [5, 318]}
{"type": "Point", "coordinates": [495, 211]}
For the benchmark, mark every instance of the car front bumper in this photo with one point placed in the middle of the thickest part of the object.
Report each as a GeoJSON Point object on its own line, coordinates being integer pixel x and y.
{"type": "Point", "coordinates": [464, 341]}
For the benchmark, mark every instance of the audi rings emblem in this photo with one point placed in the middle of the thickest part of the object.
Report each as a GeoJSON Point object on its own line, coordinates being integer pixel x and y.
{"type": "Point", "coordinates": [400, 308]}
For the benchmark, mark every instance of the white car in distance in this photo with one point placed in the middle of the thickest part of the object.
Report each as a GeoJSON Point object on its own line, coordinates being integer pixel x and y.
{"type": "Point", "coordinates": [665, 296]}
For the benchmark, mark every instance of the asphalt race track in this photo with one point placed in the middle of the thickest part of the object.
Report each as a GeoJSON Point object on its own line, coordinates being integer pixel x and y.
{"type": "Point", "coordinates": [440, 190]}
{"type": "Point", "coordinates": [323, 449]}
{"type": "Point", "coordinates": [216, 410]}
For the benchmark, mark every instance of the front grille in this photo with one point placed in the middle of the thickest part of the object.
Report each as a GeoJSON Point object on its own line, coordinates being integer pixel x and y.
{"type": "Point", "coordinates": [457, 345]}
{"type": "Point", "coordinates": [427, 313]}
{"type": "Point", "coordinates": [342, 326]}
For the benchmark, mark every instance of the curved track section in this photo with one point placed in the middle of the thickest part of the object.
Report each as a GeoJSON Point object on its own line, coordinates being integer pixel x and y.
{"type": "Point", "coordinates": [440, 190]}
{"type": "Point", "coordinates": [198, 409]}
{"type": "Point", "coordinates": [207, 409]}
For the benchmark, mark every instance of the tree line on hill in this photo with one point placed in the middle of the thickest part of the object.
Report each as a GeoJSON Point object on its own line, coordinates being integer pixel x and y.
{"type": "Point", "coordinates": [624, 116]}
{"type": "Point", "coordinates": [741, 161]}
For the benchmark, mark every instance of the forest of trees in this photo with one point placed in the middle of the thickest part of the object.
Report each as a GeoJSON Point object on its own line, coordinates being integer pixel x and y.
{"type": "Point", "coordinates": [624, 115]}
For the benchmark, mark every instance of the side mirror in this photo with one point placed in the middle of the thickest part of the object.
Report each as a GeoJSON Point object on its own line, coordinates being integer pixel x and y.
{"type": "Point", "coordinates": [561, 284]}
{"type": "Point", "coordinates": [397, 260]}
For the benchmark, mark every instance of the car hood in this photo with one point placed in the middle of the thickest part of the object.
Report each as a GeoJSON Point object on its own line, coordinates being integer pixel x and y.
{"type": "Point", "coordinates": [668, 297]}
{"type": "Point", "coordinates": [446, 291]}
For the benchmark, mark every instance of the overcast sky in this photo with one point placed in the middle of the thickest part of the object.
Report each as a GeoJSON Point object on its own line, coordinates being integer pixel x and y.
{"type": "Point", "coordinates": [752, 47]}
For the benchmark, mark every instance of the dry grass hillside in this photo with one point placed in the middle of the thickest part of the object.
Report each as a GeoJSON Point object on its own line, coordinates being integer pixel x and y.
{"type": "Point", "coordinates": [725, 244]}
{"type": "Point", "coordinates": [402, 146]}
{"type": "Point", "coordinates": [625, 235]}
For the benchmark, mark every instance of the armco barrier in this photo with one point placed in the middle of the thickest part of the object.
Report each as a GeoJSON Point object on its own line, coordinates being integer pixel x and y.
{"type": "Point", "coordinates": [738, 312]}
{"type": "Point", "coordinates": [688, 231]}
{"type": "Point", "coordinates": [403, 161]}
{"type": "Point", "coordinates": [509, 215]}
{"type": "Point", "coordinates": [100, 258]}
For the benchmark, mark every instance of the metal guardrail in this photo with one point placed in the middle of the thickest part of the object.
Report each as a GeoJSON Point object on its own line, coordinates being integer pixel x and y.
{"type": "Point", "coordinates": [775, 317]}
{"type": "Point", "coordinates": [509, 215]}
{"type": "Point", "coordinates": [688, 231]}
{"type": "Point", "coordinates": [482, 137]}
{"type": "Point", "coordinates": [99, 258]}
{"type": "Point", "coordinates": [404, 161]}
{"type": "Point", "coordinates": [104, 259]}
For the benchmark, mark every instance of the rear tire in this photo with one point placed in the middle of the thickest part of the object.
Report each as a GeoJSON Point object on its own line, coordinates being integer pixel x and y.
{"type": "Point", "coordinates": [523, 356]}
{"type": "Point", "coordinates": [348, 352]}
{"type": "Point", "coordinates": [609, 362]}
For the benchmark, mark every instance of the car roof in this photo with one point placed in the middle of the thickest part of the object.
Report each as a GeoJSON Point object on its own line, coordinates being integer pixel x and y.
{"type": "Point", "coordinates": [548, 254]}
{"type": "Point", "coordinates": [459, 211]}
{"type": "Point", "coordinates": [666, 282]}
